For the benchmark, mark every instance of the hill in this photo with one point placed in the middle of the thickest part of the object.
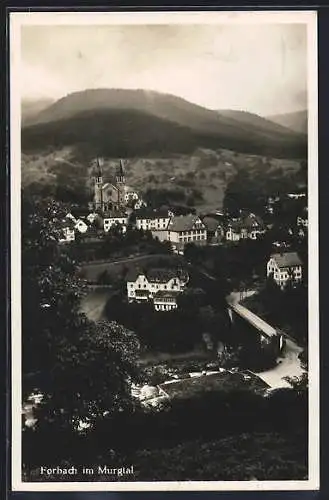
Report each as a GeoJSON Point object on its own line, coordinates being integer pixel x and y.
{"type": "Point", "coordinates": [137, 122]}
{"type": "Point", "coordinates": [255, 122]}
{"type": "Point", "coordinates": [30, 108]}
{"type": "Point", "coordinates": [296, 121]}
{"type": "Point", "coordinates": [65, 173]}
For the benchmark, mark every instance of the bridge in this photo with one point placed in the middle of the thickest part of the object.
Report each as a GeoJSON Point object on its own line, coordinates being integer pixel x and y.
{"type": "Point", "coordinates": [266, 331]}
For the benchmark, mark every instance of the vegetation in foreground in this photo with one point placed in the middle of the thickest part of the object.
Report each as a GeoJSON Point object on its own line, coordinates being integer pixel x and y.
{"type": "Point", "coordinates": [84, 369]}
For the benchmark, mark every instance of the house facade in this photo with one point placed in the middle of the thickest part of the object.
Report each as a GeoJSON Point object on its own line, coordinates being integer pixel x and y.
{"type": "Point", "coordinates": [115, 219]}
{"type": "Point", "coordinates": [153, 220]}
{"type": "Point", "coordinates": [248, 227]}
{"type": "Point", "coordinates": [66, 231]}
{"type": "Point", "coordinates": [285, 267]}
{"type": "Point", "coordinates": [183, 229]}
{"type": "Point", "coordinates": [160, 286]}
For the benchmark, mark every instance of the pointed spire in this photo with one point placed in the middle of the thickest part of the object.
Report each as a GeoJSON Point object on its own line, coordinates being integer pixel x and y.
{"type": "Point", "coordinates": [120, 175]}
{"type": "Point", "coordinates": [121, 169]}
{"type": "Point", "coordinates": [99, 172]}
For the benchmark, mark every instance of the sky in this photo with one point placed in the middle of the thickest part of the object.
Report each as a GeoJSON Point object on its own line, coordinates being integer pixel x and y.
{"type": "Point", "coordinates": [257, 68]}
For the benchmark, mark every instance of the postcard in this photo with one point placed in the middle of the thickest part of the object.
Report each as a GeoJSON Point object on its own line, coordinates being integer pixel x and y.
{"type": "Point", "coordinates": [164, 251]}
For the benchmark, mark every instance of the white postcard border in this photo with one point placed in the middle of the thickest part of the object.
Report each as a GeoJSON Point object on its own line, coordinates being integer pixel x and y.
{"type": "Point", "coordinates": [19, 19]}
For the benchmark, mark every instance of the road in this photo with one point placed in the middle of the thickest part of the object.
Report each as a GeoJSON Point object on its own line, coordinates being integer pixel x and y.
{"type": "Point", "coordinates": [288, 365]}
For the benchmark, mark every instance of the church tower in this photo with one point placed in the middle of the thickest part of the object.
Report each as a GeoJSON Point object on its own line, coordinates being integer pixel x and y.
{"type": "Point", "coordinates": [120, 184]}
{"type": "Point", "coordinates": [98, 188]}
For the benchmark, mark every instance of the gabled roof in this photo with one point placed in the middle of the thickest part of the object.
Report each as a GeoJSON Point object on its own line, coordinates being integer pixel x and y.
{"type": "Point", "coordinates": [66, 223]}
{"type": "Point", "coordinates": [109, 184]}
{"type": "Point", "coordinates": [211, 223]}
{"type": "Point", "coordinates": [84, 220]}
{"type": "Point", "coordinates": [141, 293]}
{"type": "Point", "coordinates": [115, 215]}
{"type": "Point", "coordinates": [152, 214]}
{"type": "Point", "coordinates": [158, 275]}
{"type": "Point", "coordinates": [161, 275]}
{"type": "Point", "coordinates": [166, 294]}
{"type": "Point", "coordinates": [248, 222]}
{"type": "Point", "coordinates": [185, 223]}
{"type": "Point", "coordinates": [286, 259]}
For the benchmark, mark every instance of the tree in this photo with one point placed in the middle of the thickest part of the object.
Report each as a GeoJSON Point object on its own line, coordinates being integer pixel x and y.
{"type": "Point", "coordinates": [82, 368]}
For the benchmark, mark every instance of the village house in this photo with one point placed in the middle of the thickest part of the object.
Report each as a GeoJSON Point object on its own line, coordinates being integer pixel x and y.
{"type": "Point", "coordinates": [66, 230]}
{"type": "Point", "coordinates": [247, 227]}
{"type": "Point", "coordinates": [82, 225]}
{"type": "Point", "coordinates": [112, 219]}
{"type": "Point", "coordinates": [285, 267]}
{"type": "Point", "coordinates": [215, 230]}
{"type": "Point", "coordinates": [183, 229]}
{"type": "Point", "coordinates": [160, 286]}
{"type": "Point", "coordinates": [153, 220]}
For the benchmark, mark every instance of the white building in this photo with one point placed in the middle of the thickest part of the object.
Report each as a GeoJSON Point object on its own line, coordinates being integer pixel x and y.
{"type": "Point", "coordinates": [247, 227]}
{"type": "Point", "coordinates": [285, 267]}
{"type": "Point", "coordinates": [82, 225]}
{"type": "Point", "coordinates": [160, 286]}
{"type": "Point", "coordinates": [66, 231]}
{"type": "Point", "coordinates": [183, 229]}
{"type": "Point", "coordinates": [115, 219]}
{"type": "Point", "coordinates": [153, 220]}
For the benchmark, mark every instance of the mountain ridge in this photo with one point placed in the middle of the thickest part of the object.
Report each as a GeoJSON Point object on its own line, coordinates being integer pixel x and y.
{"type": "Point", "coordinates": [171, 123]}
{"type": "Point", "coordinates": [295, 121]}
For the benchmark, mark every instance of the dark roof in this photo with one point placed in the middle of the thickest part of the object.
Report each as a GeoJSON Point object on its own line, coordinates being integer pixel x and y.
{"type": "Point", "coordinates": [161, 275]}
{"type": "Point", "coordinates": [211, 223]}
{"type": "Point", "coordinates": [251, 221]}
{"type": "Point", "coordinates": [166, 294]}
{"type": "Point", "coordinates": [184, 222]}
{"type": "Point", "coordinates": [142, 293]}
{"type": "Point", "coordinates": [287, 259]}
{"type": "Point", "coordinates": [114, 214]}
{"type": "Point", "coordinates": [248, 222]}
{"type": "Point", "coordinates": [151, 214]}
{"type": "Point", "coordinates": [157, 275]}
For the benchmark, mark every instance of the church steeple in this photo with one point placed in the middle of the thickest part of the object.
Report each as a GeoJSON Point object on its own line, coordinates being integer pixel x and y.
{"type": "Point", "coordinates": [98, 193]}
{"type": "Point", "coordinates": [98, 172]}
{"type": "Point", "coordinates": [120, 174]}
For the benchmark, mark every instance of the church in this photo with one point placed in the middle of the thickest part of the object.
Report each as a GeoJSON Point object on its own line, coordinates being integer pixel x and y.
{"type": "Point", "coordinates": [115, 196]}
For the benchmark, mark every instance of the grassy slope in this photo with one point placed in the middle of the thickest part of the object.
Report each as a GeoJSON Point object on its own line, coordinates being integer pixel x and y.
{"type": "Point", "coordinates": [204, 169]}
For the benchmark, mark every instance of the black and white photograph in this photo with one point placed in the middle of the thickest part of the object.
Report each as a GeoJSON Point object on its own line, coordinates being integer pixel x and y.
{"type": "Point", "coordinates": [164, 239]}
